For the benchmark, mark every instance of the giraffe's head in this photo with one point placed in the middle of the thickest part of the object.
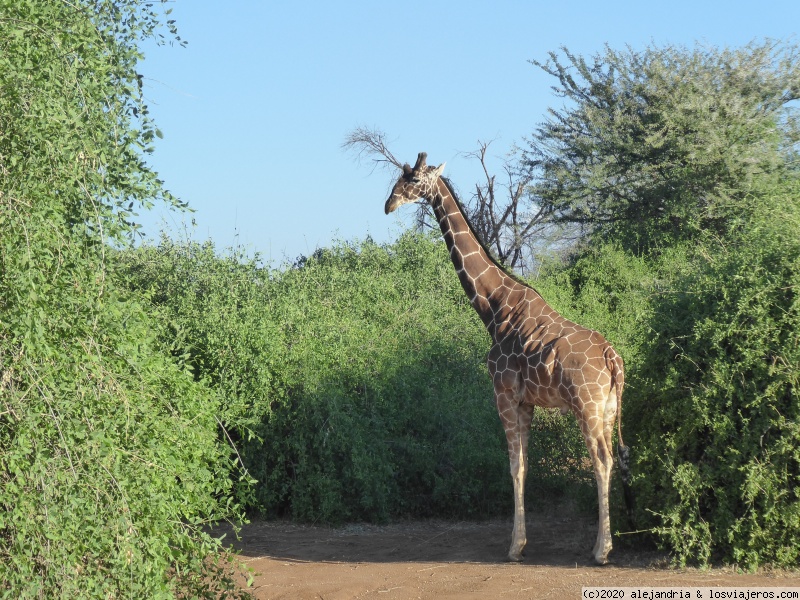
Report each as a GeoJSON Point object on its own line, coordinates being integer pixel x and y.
{"type": "Point", "coordinates": [415, 183]}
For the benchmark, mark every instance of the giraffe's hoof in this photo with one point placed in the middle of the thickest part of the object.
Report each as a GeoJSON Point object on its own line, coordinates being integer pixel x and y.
{"type": "Point", "coordinates": [601, 560]}
{"type": "Point", "coordinates": [514, 557]}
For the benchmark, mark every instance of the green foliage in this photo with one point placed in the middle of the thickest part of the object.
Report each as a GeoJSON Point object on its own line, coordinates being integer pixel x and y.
{"type": "Point", "coordinates": [361, 373]}
{"type": "Point", "coordinates": [720, 433]}
{"type": "Point", "coordinates": [110, 464]}
{"type": "Point", "coordinates": [710, 338]}
{"type": "Point", "coordinates": [390, 411]}
{"type": "Point", "coordinates": [213, 311]}
{"type": "Point", "coordinates": [655, 145]}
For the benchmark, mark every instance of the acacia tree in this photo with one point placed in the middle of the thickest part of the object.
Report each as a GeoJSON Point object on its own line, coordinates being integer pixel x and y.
{"type": "Point", "coordinates": [652, 146]}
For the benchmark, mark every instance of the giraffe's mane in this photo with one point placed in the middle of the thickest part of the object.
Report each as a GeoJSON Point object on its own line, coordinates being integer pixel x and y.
{"type": "Point", "coordinates": [448, 184]}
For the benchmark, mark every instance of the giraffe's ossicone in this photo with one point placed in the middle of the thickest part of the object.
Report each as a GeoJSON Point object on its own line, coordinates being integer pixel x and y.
{"type": "Point", "coordinates": [537, 357]}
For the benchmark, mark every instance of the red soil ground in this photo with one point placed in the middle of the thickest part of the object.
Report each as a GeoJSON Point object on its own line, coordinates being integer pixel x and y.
{"type": "Point", "coordinates": [435, 559]}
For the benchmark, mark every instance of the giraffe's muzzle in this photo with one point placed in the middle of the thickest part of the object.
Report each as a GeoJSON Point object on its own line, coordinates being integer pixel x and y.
{"type": "Point", "coordinates": [392, 203]}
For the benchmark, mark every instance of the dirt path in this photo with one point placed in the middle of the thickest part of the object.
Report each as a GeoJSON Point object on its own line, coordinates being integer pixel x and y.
{"type": "Point", "coordinates": [455, 560]}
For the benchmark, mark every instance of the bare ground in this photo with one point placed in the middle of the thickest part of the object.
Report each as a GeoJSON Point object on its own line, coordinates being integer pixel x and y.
{"type": "Point", "coordinates": [437, 559]}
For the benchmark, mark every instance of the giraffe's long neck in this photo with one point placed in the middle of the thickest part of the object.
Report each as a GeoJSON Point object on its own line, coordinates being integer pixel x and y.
{"type": "Point", "coordinates": [485, 284]}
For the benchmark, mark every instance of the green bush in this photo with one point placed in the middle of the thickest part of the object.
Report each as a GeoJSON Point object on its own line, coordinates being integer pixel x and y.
{"type": "Point", "coordinates": [718, 419]}
{"type": "Point", "coordinates": [386, 363]}
{"type": "Point", "coordinates": [214, 309]}
{"type": "Point", "coordinates": [110, 464]}
{"type": "Point", "coordinates": [109, 459]}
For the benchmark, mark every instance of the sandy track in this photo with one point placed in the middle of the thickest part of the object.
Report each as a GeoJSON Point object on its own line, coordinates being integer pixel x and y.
{"type": "Point", "coordinates": [438, 559]}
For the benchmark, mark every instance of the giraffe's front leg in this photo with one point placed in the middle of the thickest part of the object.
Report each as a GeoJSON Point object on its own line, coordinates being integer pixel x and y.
{"type": "Point", "coordinates": [518, 535]}
{"type": "Point", "coordinates": [517, 422]}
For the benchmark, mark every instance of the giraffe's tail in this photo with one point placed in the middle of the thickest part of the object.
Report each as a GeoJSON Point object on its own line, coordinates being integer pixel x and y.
{"type": "Point", "coordinates": [615, 365]}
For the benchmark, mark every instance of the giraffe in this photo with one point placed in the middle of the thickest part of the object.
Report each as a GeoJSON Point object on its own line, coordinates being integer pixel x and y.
{"type": "Point", "coordinates": [537, 358]}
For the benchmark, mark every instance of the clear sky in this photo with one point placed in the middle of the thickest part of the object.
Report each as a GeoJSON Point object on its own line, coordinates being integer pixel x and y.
{"type": "Point", "coordinates": [255, 109]}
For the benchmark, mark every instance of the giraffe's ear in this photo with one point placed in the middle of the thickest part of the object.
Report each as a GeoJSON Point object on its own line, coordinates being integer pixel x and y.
{"type": "Point", "coordinates": [437, 172]}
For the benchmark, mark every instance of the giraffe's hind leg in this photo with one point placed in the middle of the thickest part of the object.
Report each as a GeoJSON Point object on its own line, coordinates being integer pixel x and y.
{"type": "Point", "coordinates": [601, 458]}
{"type": "Point", "coordinates": [597, 422]}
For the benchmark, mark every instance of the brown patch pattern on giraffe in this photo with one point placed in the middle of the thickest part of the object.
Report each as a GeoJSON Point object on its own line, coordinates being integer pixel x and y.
{"type": "Point", "coordinates": [538, 358]}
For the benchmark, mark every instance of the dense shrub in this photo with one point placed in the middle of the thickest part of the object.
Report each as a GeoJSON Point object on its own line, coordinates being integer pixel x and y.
{"type": "Point", "coordinates": [215, 310]}
{"type": "Point", "coordinates": [389, 389]}
{"type": "Point", "coordinates": [710, 336]}
{"type": "Point", "coordinates": [110, 464]}
{"type": "Point", "coordinates": [109, 459]}
{"type": "Point", "coordinates": [718, 415]}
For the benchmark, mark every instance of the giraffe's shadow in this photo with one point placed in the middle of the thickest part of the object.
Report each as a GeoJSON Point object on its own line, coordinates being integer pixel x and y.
{"type": "Point", "coordinates": [552, 541]}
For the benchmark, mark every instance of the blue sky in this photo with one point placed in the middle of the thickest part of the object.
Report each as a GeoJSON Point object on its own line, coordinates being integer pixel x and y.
{"type": "Point", "coordinates": [254, 110]}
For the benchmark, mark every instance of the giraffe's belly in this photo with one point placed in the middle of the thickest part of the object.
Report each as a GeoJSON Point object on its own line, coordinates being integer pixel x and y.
{"type": "Point", "coordinates": [544, 385]}
{"type": "Point", "coordinates": [533, 378]}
